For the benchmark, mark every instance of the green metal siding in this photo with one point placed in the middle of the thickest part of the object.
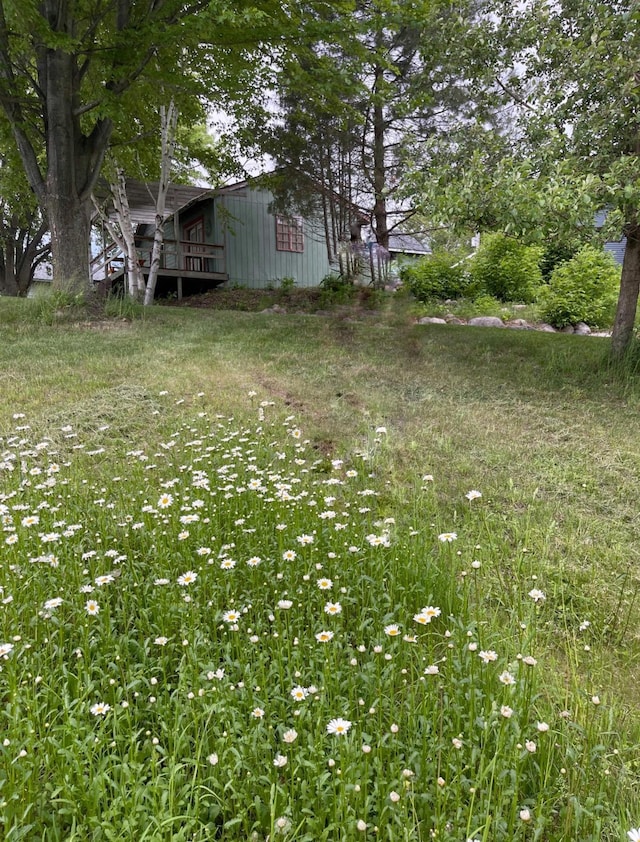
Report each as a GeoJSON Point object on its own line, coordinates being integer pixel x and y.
{"type": "Point", "coordinates": [248, 230]}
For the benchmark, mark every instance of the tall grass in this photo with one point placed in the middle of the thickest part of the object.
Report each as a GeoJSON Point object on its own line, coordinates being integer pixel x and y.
{"type": "Point", "coordinates": [217, 623]}
{"type": "Point", "coordinates": [186, 624]}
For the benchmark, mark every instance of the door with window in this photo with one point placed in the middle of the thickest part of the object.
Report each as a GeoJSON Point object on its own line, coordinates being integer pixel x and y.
{"type": "Point", "coordinates": [194, 239]}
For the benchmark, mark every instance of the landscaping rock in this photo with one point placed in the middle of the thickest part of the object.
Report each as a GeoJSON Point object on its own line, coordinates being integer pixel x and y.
{"type": "Point", "coordinates": [275, 309]}
{"type": "Point", "coordinates": [485, 321]}
{"type": "Point", "coordinates": [520, 324]}
{"type": "Point", "coordinates": [581, 329]}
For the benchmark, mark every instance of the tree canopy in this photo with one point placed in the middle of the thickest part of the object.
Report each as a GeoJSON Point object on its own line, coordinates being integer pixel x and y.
{"type": "Point", "coordinates": [350, 109]}
{"type": "Point", "coordinates": [76, 77]}
{"type": "Point", "coordinates": [566, 79]}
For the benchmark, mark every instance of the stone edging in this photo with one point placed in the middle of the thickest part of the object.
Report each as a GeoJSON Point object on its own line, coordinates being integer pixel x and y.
{"type": "Point", "coordinates": [581, 329]}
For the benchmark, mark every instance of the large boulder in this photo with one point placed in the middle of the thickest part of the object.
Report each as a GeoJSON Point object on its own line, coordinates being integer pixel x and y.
{"type": "Point", "coordinates": [485, 321]}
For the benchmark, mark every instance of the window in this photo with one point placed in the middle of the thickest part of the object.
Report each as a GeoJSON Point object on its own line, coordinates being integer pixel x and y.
{"type": "Point", "coordinates": [289, 233]}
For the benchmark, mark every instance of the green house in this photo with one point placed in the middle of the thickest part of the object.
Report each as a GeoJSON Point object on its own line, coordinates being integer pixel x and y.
{"type": "Point", "coordinates": [228, 236]}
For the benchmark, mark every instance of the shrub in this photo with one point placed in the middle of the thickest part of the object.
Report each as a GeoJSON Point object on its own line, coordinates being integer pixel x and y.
{"type": "Point", "coordinates": [436, 277]}
{"type": "Point", "coordinates": [487, 305]}
{"type": "Point", "coordinates": [554, 255]}
{"type": "Point", "coordinates": [584, 289]}
{"type": "Point", "coordinates": [287, 284]}
{"type": "Point", "coordinates": [336, 289]}
{"type": "Point", "coordinates": [506, 269]}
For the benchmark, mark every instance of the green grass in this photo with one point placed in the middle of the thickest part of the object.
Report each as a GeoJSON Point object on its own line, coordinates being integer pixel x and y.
{"type": "Point", "coordinates": [132, 411]}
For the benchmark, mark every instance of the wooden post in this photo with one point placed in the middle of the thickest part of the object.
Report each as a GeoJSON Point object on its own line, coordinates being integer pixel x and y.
{"type": "Point", "coordinates": [104, 254]}
{"type": "Point", "coordinates": [179, 285]}
{"type": "Point", "coordinates": [179, 254]}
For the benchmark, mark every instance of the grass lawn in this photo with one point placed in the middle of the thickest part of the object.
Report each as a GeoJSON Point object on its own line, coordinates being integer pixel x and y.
{"type": "Point", "coordinates": [247, 593]}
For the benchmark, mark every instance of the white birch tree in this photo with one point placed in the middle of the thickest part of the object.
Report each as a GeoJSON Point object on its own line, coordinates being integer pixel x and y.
{"type": "Point", "coordinates": [122, 232]}
{"type": "Point", "coordinates": [168, 126]}
{"type": "Point", "coordinates": [135, 276]}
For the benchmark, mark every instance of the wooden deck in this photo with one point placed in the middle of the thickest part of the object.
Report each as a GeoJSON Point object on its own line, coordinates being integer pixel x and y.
{"type": "Point", "coordinates": [199, 264]}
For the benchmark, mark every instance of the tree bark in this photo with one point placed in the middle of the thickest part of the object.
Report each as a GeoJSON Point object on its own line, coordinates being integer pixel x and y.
{"type": "Point", "coordinates": [135, 276]}
{"type": "Point", "coordinates": [169, 122]}
{"type": "Point", "coordinates": [623, 325]}
{"type": "Point", "coordinates": [379, 162]}
{"type": "Point", "coordinates": [73, 165]}
{"type": "Point", "coordinates": [8, 280]}
{"type": "Point", "coordinates": [325, 209]}
{"type": "Point", "coordinates": [70, 226]}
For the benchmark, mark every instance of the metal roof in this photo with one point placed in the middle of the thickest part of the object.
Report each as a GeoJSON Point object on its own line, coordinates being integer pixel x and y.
{"type": "Point", "coordinates": [142, 199]}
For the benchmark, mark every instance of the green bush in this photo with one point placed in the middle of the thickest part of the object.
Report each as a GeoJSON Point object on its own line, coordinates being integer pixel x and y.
{"type": "Point", "coordinates": [437, 277]}
{"type": "Point", "coordinates": [287, 284]}
{"type": "Point", "coordinates": [506, 269]}
{"type": "Point", "coordinates": [556, 253]}
{"type": "Point", "coordinates": [336, 289]}
{"type": "Point", "coordinates": [487, 305]}
{"type": "Point", "coordinates": [584, 289]}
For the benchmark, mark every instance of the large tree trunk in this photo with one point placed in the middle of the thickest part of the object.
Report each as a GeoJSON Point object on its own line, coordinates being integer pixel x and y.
{"type": "Point", "coordinates": [628, 298]}
{"type": "Point", "coordinates": [74, 162]}
{"type": "Point", "coordinates": [70, 225]}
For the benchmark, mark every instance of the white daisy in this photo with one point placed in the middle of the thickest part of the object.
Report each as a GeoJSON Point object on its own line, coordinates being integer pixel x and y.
{"type": "Point", "coordinates": [50, 604]}
{"type": "Point", "coordinates": [338, 726]}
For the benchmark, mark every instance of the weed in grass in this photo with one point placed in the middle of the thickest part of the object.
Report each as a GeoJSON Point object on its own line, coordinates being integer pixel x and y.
{"type": "Point", "coordinates": [214, 633]}
{"type": "Point", "coordinates": [123, 307]}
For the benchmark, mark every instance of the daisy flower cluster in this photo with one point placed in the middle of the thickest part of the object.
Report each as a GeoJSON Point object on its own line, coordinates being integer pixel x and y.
{"type": "Point", "coordinates": [225, 627]}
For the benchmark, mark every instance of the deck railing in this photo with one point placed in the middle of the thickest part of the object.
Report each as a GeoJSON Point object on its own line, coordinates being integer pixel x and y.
{"type": "Point", "coordinates": [176, 256]}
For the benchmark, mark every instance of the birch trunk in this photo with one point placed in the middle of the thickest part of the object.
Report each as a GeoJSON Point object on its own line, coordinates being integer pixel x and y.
{"type": "Point", "coordinates": [169, 122]}
{"type": "Point", "coordinates": [135, 275]}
